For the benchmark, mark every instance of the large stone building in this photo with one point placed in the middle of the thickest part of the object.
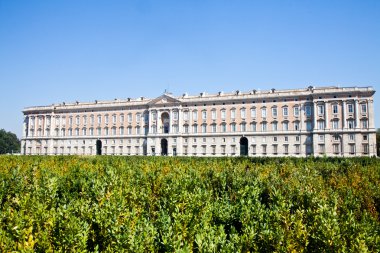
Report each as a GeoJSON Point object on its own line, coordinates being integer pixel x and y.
{"type": "Point", "coordinates": [329, 121]}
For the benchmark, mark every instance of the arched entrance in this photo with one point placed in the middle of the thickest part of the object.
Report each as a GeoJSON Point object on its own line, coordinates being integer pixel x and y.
{"type": "Point", "coordinates": [243, 146]}
{"type": "Point", "coordinates": [164, 147]}
{"type": "Point", "coordinates": [98, 147]}
{"type": "Point", "coordinates": [165, 122]}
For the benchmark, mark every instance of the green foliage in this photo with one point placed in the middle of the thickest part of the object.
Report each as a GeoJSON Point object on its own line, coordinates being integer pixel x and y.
{"type": "Point", "coordinates": [8, 142]}
{"type": "Point", "coordinates": [163, 204]}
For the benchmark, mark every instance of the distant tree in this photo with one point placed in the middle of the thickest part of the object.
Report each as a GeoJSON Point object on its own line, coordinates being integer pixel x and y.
{"type": "Point", "coordinates": [8, 142]}
{"type": "Point", "coordinates": [378, 141]}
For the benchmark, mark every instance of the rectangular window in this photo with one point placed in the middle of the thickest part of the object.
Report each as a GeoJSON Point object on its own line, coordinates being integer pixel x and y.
{"type": "Point", "coordinates": [213, 127]}
{"type": "Point", "coordinates": [275, 149]}
{"type": "Point", "coordinates": [121, 118]}
{"type": "Point", "coordinates": [321, 109]}
{"type": "Point", "coordinates": [336, 148]}
{"type": "Point", "coordinates": [350, 108]}
{"type": "Point", "coordinates": [186, 115]}
{"type": "Point", "coordinates": [321, 125]}
{"type": "Point", "coordinates": [175, 115]}
{"type": "Point", "coordinates": [213, 114]}
{"type": "Point", "coordinates": [264, 112]}
{"type": "Point", "coordinates": [224, 128]}
{"type": "Point", "coordinates": [296, 111]}
{"type": "Point", "coordinates": [274, 126]}
{"type": "Point", "coordinates": [364, 108]}
{"type": "Point", "coordinates": [204, 114]}
{"type": "Point", "coordinates": [274, 112]}
{"type": "Point", "coordinates": [242, 113]}
{"type": "Point", "coordinates": [223, 114]}
{"type": "Point", "coordinates": [263, 127]}
{"type": "Point", "coordinates": [233, 127]}
{"type": "Point", "coordinates": [195, 129]}
{"type": "Point", "coordinates": [365, 149]}
{"type": "Point", "coordinates": [351, 124]}
{"type": "Point", "coordinates": [195, 115]}
{"type": "Point", "coordinates": [285, 111]}
{"type": "Point", "coordinates": [321, 148]}
{"type": "Point", "coordinates": [253, 127]}
{"type": "Point", "coordinates": [138, 117]}
{"type": "Point", "coordinates": [335, 124]}
{"type": "Point", "coordinates": [106, 119]}
{"type": "Point", "coordinates": [253, 112]}
{"type": "Point", "coordinates": [233, 114]}
{"type": "Point", "coordinates": [352, 149]}
{"type": "Point", "coordinates": [243, 128]}
{"type": "Point", "coordinates": [296, 126]}
{"type": "Point", "coordinates": [351, 137]}
{"type": "Point", "coordinates": [204, 128]}
{"type": "Point", "coordinates": [285, 126]}
{"type": "Point", "coordinates": [129, 117]}
{"type": "Point", "coordinates": [286, 149]}
{"type": "Point", "coordinates": [114, 119]}
{"type": "Point", "coordinates": [335, 109]}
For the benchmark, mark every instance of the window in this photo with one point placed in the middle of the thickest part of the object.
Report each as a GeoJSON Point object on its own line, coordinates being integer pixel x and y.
{"type": "Point", "coordinates": [121, 118]}
{"type": "Point", "coordinates": [308, 110]}
{"type": "Point", "coordinates": [242, 113]}
{"type": "Point", "coordinates": [195, 116]}
{"type": "Point", "coordinates": [154, 129]}
{"type": "Point", "coordinates": [204, 128]}
{"type": "Point", "coordinates": [92, 119]}
{"type": "Point", "coordinates": [285, 111]}
{"type": "Point", "coordinates": [321, 109]}
{"type": "Point", "coordinates": [106, 119]}
{"type": "Point", "coordinates": [336, 148]}
{"type": "Point", "coordinates": [352, 149]}
{"type": "Point", "coordinates": [106, 131]}
{"type": "Point", "coordinates": [76, 131]}
{"type": "Point", "coordinates": [263, 126]}
{"type": "Point", "coordinates": [91, 131]}
{"type": "Point", "coordinates": [286, 149]}
{"type": "Point", "coordinates": [364, 123]}
{"type": "Point", "coordinates": [213, 128]}
{"type": "Point", "coordinates": [364, 108]}
{"type": "Point", "coordinates": [275, 139]}
{"type": "Point", "coordinates": [84, 132]}
{"type": "Point", "coordinates": [99, 131]}
{"type": "Point", "coordinates": [296, 126]}
{"type": "Point", "coordinates": [154, 116]}
{"type": "Point", "coordinates": [335, 109]}
{"type": "Point", "coordinates": [335, 124]}
{"type": "Point", "coordinates": [175, 115]}
{"type": "Point", "coordinates": [233, 127]}
{"type": "Point", "coordinates": [321, 138]}
{"type": "Point", "coordinates": [351, 123]}
{"type": "Point", "coordinates": [321, 148]}
{"type": "Point", "coordinates": [350, 108]}
{"type": "Point", "coordinates": [321, 124]}
{"type": "Point", "coordinates": [129, 117]}
{"type": "Point", "coordinates": [99, 119]}
{"type": "Point", "coordinates": [274, 111]}
{"type": "Point", "coordinates": [233, 114]}
{"type": "Point", "coordinates": [243, 127]}
{"type": "Point", "coordinates": [336, 137]}
{"type": "Point", "coordinates": [253, 112]}
{"type": "Point", "coordinates": [114, 131]}
{"type": "Point", "coordinates": [213, 114]}
{"type": "Point", "coordinates": [77, 120]}
{"type": "Point", "coordinates": [365, 149]}
{"type": "Point", "coordinates": [263, 112]}
{"type": "Point", "coordinates": [195, 129]}
{"type": "Point", "coordinates": [138, 117]}
{"type": "Point", "coordinates": [296, 111]}
{"type": "Point", "coordinates": [274, 126]}
{"type": "Point", "coordinates": [297, 138]}
{"type": "Point", "coordinates": [114, 118]}
{"type": "Point", "coordinates": [175, 128]}
{"type": "Point", "coordinates": [275, 149]}
{"type": "Point", "coordinates": [223, 114]}
{"type": "Point", "coordinates": [264, 147]}
{"type": "Point", "coordinates": [138, 130]}
{"type": "Point", "coordinates": [186, 115]}
{"type": "Point", "coordinates": [286, 138]}
{"type": "Point", "coordinates": [285, 126]}
{"type": "Point", "coordinates": [186, 129]}
{"type": "Point", "coordinates": [365, 137]}
{"type": "Point", "coordinates": [204, 115]}
{"type": "Point", "coordinates": [253, 126]}
{"type": "Point", "coordinates": [224, 128]}
{"type": "Point", "coordinates": [351, 137]}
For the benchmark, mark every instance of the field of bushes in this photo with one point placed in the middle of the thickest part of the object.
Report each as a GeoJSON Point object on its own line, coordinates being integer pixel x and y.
{"type": "Point", "coordinates": [174, 204]}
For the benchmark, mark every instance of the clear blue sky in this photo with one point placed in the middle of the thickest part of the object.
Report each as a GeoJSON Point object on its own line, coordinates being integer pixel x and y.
{"type": "Point", "coordinates": [54, 51]}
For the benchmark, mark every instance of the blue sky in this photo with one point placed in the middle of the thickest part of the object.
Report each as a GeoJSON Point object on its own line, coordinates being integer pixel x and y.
{"type": "Point", "coordinates": [55, 51]}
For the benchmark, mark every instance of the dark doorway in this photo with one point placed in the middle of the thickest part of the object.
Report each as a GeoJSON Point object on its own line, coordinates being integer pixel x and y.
{"type": "Point", "coordinates": [164, 147]}
{"type": "Point", "coordinates": [243, 146]}
{"type": "Point", "coordinates": [98, 147]}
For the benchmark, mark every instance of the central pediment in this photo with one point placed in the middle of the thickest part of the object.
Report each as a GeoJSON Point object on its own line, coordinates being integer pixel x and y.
{"type": "Point", "coordinates": [164, 99]}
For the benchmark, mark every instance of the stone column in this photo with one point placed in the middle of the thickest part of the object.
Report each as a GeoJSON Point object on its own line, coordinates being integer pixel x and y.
{"type": "Point", "coordinates": [327, 126]}
{"type": "Point", "coordinates": [356, 114]}
{"type": "Point", "coordinates": [344, 111]}
{"type": "Point", "coordinates": [315, 115]}
{"type": "Point", "coordinates": [371, 122]}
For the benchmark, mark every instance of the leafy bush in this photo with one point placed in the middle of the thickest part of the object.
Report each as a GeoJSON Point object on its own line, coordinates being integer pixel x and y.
{"type": "Point", "coordinates": [163, 204]}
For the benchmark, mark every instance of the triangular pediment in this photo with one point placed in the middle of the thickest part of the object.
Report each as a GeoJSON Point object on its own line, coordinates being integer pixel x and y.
{"type": "Point", "coordinates": [164, 99]}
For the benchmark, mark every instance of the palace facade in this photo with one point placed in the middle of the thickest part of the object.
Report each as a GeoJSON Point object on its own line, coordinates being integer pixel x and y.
{"type": "Point", "coordinates": [328, 121]}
